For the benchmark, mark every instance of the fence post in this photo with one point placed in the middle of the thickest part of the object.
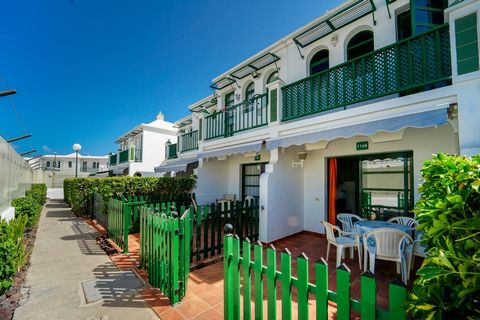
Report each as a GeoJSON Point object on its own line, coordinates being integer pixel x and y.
{"type": "Point", "coordinates": [126, 226]}
{"type": "Point", "coordinates": [227, 271]}
{"type": "Point", "coordinates": [397, 295]}
{"type": "Point", "coordinates": [174, 257]}
{"type": "Point", "coordinates": [343, 292]}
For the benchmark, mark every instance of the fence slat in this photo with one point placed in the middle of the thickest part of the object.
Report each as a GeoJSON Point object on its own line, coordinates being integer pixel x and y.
{"type": "Point", "coordinates": [343, 292]}
{"type": "Point", "coordinates": [321, 285]}
{"type": "Point", "coordinates": [397, 293]}
{"type": "Point", "coordinates": [368, 294]}
{"type": "Point", "coordinates": [302, 272]}
{"type": "Point", "coordinates": [286, 269]}
{"type": "Point", "coordinates": [258, 282]}
{"type": "Point", "coordinates": [271, 283]}
{"type": "Point", "coordinates": [236, 278]}
{"type": "Point", "coordinates": [247, 305]}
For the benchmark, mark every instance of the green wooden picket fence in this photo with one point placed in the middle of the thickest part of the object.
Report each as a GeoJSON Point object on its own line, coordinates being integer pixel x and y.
{"type": "Point", "coordinates": [123, 215]}
{"type": "Point", "coordinates": [165, 248]}
{"type": "Point", "coordinates": [238, 284]}
{"type": "Point", "coordinates": [208, 223]}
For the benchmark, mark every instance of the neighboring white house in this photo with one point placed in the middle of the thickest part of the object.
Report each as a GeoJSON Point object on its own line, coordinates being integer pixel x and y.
{"type": "Point", "coordinates": [339, 115]}
{"type": "Point", "coordinates": [141, 149]}
{"type": "Point", "coordinates": [52, 169]}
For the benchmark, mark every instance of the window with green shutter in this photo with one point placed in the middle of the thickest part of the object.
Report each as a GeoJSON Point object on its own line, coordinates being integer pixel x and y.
{"type": "Point", "coordinates": [273, 105]}
{"type": "Point", "coordinates": [467, 44]}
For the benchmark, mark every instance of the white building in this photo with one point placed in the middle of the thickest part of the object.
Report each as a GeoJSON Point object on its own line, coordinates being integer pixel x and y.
{"type": "Point", "coordinates": [141, 149]}
{"type": "Point", "coordinates": [52, 169]}
{"type": "Point", "coordinates": [339, 115]}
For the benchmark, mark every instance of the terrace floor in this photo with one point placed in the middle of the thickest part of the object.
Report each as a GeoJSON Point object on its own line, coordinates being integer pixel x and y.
{"type": "Point", "coordinates": [204, 298]}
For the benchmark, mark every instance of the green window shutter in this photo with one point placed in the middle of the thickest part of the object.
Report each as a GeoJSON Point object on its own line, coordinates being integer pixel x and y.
{"type": "Point", "coordinates": [200, 129]}
{"type": "Point", "coordinates": [467, 44]}
{"type": "Point", "coordinates": [273, 105]}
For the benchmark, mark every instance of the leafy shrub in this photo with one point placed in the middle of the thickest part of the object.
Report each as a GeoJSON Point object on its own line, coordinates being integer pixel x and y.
{"type": "Point", "coordinates": [13, 253]}
{"type": "Point", "coordinates": [38, 192]}
{"type": "Point", "coordinates": [78, 192]}
{"type": "Point", "coordinates": [27, 206]}
{"type": "Point", "coordinates": [448, 286]}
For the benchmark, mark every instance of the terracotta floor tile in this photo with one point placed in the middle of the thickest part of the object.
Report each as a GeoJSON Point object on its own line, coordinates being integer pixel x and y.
{"type": "Point", "coordinates": [211, 314]}
{"type": "Point", "coordinates": [172, 314]}
{"type": "Point", "coordinates": [192, 307]}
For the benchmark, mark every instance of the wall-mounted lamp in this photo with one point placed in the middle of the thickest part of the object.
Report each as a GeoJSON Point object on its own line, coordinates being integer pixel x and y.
{"type": "Point", "coordinates": [334, 40]}
{"type": "Point", "coordinates": [255, 74]}
{"type": "Point", "coordinates": [302, 156]}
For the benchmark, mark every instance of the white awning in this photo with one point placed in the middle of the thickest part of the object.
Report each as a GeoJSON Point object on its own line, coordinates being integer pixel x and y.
{"type": "Point", "coordinates": [175, 165]}
{"type": "Point", "coordinates": [419, 120]}
{"type": "Point", "coordinates": [253, 147]}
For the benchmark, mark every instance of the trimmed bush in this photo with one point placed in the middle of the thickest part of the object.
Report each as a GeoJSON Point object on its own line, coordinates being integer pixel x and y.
{"type": "Point", "coordinates": [29, 207]}
{"type": "Point", "coordinates": [12, 250]}
{"type": "Point", "coordinates": [38, 192]}
{"type": "Point", "coordinates": [448, 286]}
{"type": "Point", "coordinates": [78, 192]}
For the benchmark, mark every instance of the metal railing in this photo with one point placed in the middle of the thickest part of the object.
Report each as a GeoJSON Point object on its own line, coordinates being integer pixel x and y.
{"type": "Point", "coordinates": [123, 156]}
{"type": "Point", "coordinates": [189, 141]}
{"type": "Point", "coordinates": [408, 66]}
{"type": "Point", "coordinates": [247, 115]}
{"type": "Point", "coordinates": [113, 159]}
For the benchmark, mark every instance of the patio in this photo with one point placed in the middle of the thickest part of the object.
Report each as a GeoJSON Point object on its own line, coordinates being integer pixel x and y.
{"type": "Point", "coordinates": [204, 298]}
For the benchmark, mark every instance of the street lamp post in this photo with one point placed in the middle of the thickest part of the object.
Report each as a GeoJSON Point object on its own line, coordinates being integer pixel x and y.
{"type": "Point", "coordinates": [76, 147]}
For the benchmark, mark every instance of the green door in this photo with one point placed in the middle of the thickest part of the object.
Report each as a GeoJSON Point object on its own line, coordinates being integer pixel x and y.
{"type": "Point", "coordinates": [251, 179]}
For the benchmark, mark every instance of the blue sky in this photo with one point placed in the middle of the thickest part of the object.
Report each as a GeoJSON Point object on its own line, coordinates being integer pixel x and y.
{"type": "Point", "coordinates": [88, 70]}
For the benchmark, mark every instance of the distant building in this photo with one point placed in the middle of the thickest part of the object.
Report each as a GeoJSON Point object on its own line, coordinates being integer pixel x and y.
{"type": "Point", "coordinates": [54, 168]}
{"type": "Point", "coordinates": [141, 149]}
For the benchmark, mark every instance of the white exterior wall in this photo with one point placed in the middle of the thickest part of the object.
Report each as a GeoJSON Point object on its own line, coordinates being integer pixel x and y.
{"type": "Point", "coordinates": [423, 142]}
{"type": "Point", "coordinates": [15, 178]}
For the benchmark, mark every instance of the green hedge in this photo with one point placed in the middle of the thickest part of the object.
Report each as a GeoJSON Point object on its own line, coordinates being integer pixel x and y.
{"type": "Point", "coordinates": [78, 192]}
{"type": "Point", "coordinates": [13, 253]}
{"type": "Point", "coordinates": [448, 283]}
{"type": "Point", "coordinates": [38, 191]}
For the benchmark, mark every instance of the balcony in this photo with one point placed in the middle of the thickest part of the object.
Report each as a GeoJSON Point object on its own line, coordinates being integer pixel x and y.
{"type": "Point", "coordinates": [189, 141]}
{"type": "Point", "coordinates": [171, 151]}
{"type": "Point", "coordinates": [244, 116]}
{"type": "Point", "coordinates": [412, 65]}
{"type": "Point", "coordinates": [124, 156]}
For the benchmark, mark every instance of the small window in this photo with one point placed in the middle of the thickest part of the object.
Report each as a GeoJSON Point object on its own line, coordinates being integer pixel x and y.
{"type": "Point", "coordinates": [249, 94]}
{"type": "Point", "coordinates": [69, 164]}
{"type": "Point", "coordinates": [229, 99]}
{"type": "Point", "coordinates": [272, 77]}
{"type": "Point", "coordinates": [360, 44]}
{"type": "Point", "coordinates": [94, 165]}
{"type": "Point", "coordinates": [48, 163]}
{"type": "Point", "coordinates": [319, 62]}
{"type": "Point", "coordinates": [58, 164]}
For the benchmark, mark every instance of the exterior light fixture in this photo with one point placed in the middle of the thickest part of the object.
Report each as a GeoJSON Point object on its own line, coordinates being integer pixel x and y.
{"type": "Point", "coordinates": [76, 147]}
{"type": "Point", "coordinates": [302, 155]}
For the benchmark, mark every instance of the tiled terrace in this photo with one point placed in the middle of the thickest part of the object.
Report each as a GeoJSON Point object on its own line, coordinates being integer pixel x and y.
{"type": "Point", "coordinates": [204, 298]}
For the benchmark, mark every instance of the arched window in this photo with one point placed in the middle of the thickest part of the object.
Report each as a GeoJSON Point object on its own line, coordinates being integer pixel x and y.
{"type": "Point", "coordinates": [319, 62]}
{"type": "Point", "coordinates": [360, 44]}
{"type": "Point", "coordinates": [250, 91]}
{"type": "Point", "coordinates": [272, 77]}
{"type": "Point", "coordinates": [48, 163]}
{"type": "Point", "coordinates": [69, 164]}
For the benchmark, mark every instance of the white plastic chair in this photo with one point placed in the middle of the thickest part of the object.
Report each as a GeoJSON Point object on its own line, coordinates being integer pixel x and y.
{"type": "Point", "coordinates": [247, 202]}
{"type": "Point", "coordinates": [342, 242]}
{"type": "Point", "coordinates": [389, 244]}
{"type": "Point", "coordinates": [348, 220]}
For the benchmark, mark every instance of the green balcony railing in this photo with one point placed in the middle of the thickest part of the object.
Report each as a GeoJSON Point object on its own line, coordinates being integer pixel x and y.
{"type": "Point", "coordinates": [415, 64]}
{"type": "Point", "coordinates": [247, 115]}
{"type": "Point", "coordinates": [189, 141]}
{"type": "Point", "coordinates": [113, 159]}
{"type": "Point", "coordinates": [123, 156]}
{"type": "Point", "coordinates": [171, 151]}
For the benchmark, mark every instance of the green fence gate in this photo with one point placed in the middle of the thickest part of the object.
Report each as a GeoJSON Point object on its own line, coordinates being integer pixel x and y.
{"type": "Point", "coordinates": [124, 215]}
{"type": "Point", "coordinates": [238, 284]}
{"type": "Point", "coordinates": [165, 248]}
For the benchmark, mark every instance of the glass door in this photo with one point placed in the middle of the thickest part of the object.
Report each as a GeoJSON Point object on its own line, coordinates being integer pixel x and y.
{"type": "Point", "coordinates": [251, 179]}
{"type": "Point", "coordinates": [386, 185]}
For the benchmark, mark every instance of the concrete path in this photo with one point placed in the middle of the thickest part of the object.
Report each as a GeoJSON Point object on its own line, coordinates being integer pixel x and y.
{"type": "Point", "coordinates": [66, 255]}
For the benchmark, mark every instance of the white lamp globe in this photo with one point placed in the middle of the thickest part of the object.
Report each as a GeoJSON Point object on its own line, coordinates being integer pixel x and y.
{"type": "Point", "coordinates": [77, 147]}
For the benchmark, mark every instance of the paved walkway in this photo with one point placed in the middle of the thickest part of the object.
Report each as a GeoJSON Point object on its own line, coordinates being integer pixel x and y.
{"type": "Point", "coordinates": [66, 255]}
